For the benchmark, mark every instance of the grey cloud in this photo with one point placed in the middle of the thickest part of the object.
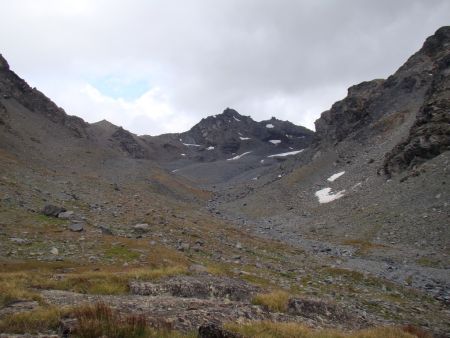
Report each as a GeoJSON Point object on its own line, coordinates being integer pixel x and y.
{"type": "Point", "coordinates": [262, 57]}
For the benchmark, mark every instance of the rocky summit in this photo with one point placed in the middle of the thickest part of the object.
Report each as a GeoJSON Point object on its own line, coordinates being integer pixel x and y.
{"type": "Point", "coordinates": [235, 227]}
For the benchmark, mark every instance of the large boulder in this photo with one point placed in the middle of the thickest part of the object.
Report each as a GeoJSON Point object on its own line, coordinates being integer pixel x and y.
{"type": "Point", "coordinates": [52, 210]}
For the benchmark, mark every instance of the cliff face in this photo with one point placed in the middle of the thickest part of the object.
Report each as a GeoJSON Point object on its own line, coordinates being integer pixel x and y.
{"type": "Point", "coordinates": [430, 134]}
{"type": "Point", "coordinates": [405, 92]}
{"type": "Point", "coordinates": [13, 87]}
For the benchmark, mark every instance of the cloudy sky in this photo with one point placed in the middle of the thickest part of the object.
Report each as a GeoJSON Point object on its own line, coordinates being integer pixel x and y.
{"type": "Point", "coordinates": [156, 66]}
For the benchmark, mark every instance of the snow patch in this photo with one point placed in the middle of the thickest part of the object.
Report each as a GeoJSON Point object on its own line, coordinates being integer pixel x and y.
{"type": "Point", "coordinates": [326, 196]}
{"type": "Point", "coordinates": [269, 125]}
{"type": "Point", "coordinates": [295, 152]}
{"type": "Point", "coordinates": [174, 171]}
{"type": "Point", "coordinates": [236, 119]}
{"type": "Point", "coordinates": [262, 161]}
{"type": "Point", "coordinates": [334, 177]}
{"type": "Point", "coordinates": [191, 145]}
{"type": "Point", "coordinates": [238, 156]}
{"type": "Point", "coordinates": [275, 141]}
{"type": "Point", "coordinates": [244, 138]}
{"type": "Point", "coordinates": [210, 148]}
{"type": "Point", "coordinates": [359, 184]}
{"type": "Point", "coordinates": [183, 154]}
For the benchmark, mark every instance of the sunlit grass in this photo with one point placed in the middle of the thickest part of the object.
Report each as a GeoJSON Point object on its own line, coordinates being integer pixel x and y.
{"type": "Point", "coordinates": [268, 329]}
{"type": "Point", "coordinates": [275, 301]}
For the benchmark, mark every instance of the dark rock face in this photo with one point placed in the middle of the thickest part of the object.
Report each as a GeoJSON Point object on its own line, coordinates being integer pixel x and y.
{"type": "Point", "coordinates": [230, 131]}
{"type": "Point", "coordinates": [369, 102]}
{"type": "Point", "coordinates": [3, 63]}
{"type": "Point", "coordinates": [430, 134]}
{"type": "Point", "coordinates": [350, 114]}
{"type": "Point", "coordinates": [12, 86]}
{"type": "Point", "coordinates": [3, 115]}
{"type": "Point", "coordinates": [128, 143]}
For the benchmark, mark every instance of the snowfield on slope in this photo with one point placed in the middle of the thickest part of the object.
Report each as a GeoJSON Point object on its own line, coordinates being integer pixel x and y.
{"type": "Point", "coordinates": [238, 156]}
{"type": "Point", "coordinates": [334, 177]}
{"type": "Point", "coordinates": [289, 153]}
{"type": "Point", "coordinates": [325, 196]}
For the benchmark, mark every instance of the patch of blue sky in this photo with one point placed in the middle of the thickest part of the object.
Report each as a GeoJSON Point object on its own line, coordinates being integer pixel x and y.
{"type": "Point", "coordinates": [121, 87]}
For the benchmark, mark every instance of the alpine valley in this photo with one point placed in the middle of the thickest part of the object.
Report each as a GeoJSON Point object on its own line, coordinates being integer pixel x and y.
{"type": "Point", "coordinates": [235, 228]}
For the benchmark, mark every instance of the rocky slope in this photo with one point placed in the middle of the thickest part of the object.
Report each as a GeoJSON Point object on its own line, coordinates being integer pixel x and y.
{"type": "Point", "coordinates": [340, 198]}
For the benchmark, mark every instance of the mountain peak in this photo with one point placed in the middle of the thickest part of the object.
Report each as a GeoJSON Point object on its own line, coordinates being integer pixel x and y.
{"type": "Point", "coordinates": [230, 112]}
{"type": "Point", "coordinates": [436, 42]}
{"type": "Point", "coordinates": [3, 63]}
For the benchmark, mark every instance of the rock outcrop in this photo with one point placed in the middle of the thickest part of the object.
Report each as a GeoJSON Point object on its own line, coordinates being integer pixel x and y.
{"type": "Point", "coordinates": [430, 134]}
{"type": "Point", "coordinates": [13, 87]}
{"type": "Point", "coordinates": [371, 104]}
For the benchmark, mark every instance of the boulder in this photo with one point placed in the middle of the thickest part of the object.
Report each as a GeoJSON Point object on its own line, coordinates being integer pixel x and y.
{"type": "Point", "coordinates": [198, 268]}
{"type": "Point", "coordinates": [105, 230]}
{"type": "Point", "coordinates": [66, 215]}
{"type": "Point", "coordinates": [142, 227]}
{"type": "Point", "coordinates": [76, 227]}
{"type": "Point", "coordinates": [52, 210]}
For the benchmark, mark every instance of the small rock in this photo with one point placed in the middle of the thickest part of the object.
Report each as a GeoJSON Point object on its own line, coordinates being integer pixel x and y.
{"type": "Point", "coordinates": [142, 227]}
{"type": "Point", "coordinates": [66, 215]}
{"type": "Point", "coordinates": [76, 227]}
{"type": "Point", "coordinates": [52, 210]}
{"type": "Point", "coordinates": [197, 268]}
{"type": "Point", "coordinates": [105, 230]}
{"type": "Point", "coordinates": [18, 240]}
{"type": "Point", "coordinates": [238, 245]}
{"type": "Point", "coordinates": [54, 251]}
{"type": "Point", "coordinates": [183, 247]}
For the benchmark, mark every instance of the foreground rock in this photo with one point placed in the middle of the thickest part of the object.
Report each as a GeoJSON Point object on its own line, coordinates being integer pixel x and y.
{"type": "Point", "coordinates": [212, 330]}
{"type": "Point", "coordinates": [202, 287]}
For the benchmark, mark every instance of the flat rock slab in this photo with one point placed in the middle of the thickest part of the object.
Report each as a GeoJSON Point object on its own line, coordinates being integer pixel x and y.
{"type": "Point", "coordinates": [17, 307]}
{"type": "Point", "coordinates": [197, 287]}
{"type": "Point", "coordinates": [76, 227]}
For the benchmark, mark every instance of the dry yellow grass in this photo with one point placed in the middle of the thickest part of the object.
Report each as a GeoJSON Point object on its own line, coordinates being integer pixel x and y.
{"type": "Point", "coordinates": [112, 282]}
{"type": "Point", "coordinates": [18, 285]}
{"type": "Point", "coordinates": [274, 301]}
{"type": "Point", "coordinates": [294, 330]}
{"type": "Point", "coordinates": [39, 320]}
{"type": "Point", "coordinates": [93, 321]}
{"type": "Point", "coordinates": [15, 287]}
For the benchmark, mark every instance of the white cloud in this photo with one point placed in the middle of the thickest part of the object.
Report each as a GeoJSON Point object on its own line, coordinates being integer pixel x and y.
{"type": "Point", "coordinates": [290, 59]}
{"type": "Point", "coordinates": [151, 113]}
